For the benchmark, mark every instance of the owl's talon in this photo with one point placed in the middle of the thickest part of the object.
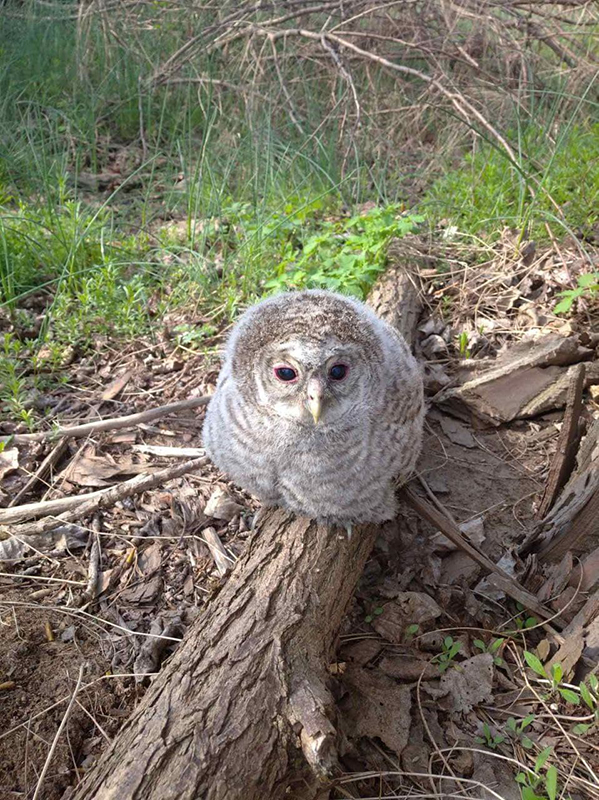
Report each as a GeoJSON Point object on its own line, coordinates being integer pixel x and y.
{"type": "Point", "coordinates": [348, 528]}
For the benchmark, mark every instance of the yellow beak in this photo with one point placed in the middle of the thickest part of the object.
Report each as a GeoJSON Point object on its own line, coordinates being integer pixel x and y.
{"type": "Point", "coordinates": [315, 406]}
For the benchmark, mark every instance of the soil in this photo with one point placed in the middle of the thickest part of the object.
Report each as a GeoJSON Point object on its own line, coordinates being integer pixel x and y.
{"type": "Point", "coordinates": [157, 574]}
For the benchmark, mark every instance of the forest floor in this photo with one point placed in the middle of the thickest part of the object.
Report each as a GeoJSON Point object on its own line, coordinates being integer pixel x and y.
{"type": "Point", "coordinates": [435, 672]}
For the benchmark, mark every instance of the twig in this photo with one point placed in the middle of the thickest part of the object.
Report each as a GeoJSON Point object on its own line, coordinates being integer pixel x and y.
{"type": "Point", "coordinates": [63, 722]}
{"type": "Point", "coordinates": [112, 424]}
{"type": "Point", "coordinates": [567, 444]}
{"type": "Point", "coordinates": [39, 475]}
{"type": "Point", "coordinates": [453, 533]}
{"type": "Point", "coordinates": [222, 559]}
{"type": "Point", "coordinates": [94, 562]}
{"type": "Point", "coordinates": [81, 505]}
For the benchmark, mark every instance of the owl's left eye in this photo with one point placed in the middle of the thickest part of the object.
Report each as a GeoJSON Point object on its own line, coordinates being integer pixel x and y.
{"type": "Point", "coordinates": [286, 374]}
{"type": "Point", "coordinates": [338, 372]}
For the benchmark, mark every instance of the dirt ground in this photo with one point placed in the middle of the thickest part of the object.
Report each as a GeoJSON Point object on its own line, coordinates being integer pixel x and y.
{"type": "Point", "coordinates": [156, 574]}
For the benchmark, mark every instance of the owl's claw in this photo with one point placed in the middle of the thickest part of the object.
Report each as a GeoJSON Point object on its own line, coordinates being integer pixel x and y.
{"type": "Point", "coordinates": [348, 528]}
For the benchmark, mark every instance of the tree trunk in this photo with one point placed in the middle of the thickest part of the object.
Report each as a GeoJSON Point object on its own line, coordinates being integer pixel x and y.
{"type": "Point", "coordinates": [242, 710]}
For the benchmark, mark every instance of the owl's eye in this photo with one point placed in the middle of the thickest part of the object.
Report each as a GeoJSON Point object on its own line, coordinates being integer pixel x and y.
{"type": "Point", "coordinates": [286, 374]}
{"type": "Point", "coordinates": [338, 372]}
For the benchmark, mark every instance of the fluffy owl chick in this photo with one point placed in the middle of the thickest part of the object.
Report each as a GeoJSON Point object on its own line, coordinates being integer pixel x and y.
{"type": "Point", "coordinates": [318, 408]}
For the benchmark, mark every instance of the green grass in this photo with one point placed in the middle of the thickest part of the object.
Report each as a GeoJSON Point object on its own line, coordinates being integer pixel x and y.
{"type": "Point", "coordinates": [219, 202]}
{"type": "Point", "coordinates": [488, 193]}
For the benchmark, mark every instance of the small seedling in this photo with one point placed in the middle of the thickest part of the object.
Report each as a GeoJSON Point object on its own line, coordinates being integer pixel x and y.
{"type": "Point", "coordinates": [535, 781]}
{"type": "Point", "coordinates": [489, 739]}
{"type": "Point", "coordinates": [411, 631]}
{"type": "Point", "coordinates": [517, 728]}
{"type": "Point", "coordinates": [445, 659]}
{"type": "Point", "coordinates": [492, 648]}
{"type": "Point", "coordinates": [463, 345]}
{"type": "Point", "coordinates": [587, 284]}
{"type": "Point", "coordinates": [554, 675]}
{"type": "Point", "coordinates": [376, 612]}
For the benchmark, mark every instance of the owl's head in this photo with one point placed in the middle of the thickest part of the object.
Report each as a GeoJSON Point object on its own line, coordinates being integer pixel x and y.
{"type": "Point", "coordinates": [311, 356]}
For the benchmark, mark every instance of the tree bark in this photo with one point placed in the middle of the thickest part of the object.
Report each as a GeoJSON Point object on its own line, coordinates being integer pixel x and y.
{"type": "Point", "coordinates": [242, 710]}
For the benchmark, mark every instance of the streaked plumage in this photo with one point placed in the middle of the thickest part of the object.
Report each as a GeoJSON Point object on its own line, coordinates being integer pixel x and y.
{"type": "Point", "coordinates": [261, 426]}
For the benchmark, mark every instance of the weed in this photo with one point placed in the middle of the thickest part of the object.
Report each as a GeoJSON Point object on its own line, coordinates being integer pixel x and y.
{"type": "Point", "coordinates": [534, 781]}
{"type": "Point", "coordinates": [492, 648]}
{"type": "Point", "coordinates": [588, 284]}
{"type": "Point", "coordinates": [490, 739]}
{"type": "Point", "coordinates": [446, 658]}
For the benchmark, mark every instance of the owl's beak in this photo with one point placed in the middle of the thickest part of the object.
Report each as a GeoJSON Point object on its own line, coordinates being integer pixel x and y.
{"type": "Point", "coordinates": [315, 392]}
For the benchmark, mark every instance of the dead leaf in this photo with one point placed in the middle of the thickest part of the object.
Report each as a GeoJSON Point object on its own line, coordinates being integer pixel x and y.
{"type": "Point", "coordinates": [117, 385]}
{"type": "Point", "coordinates": [377, 707]}
{"type": "Point", "coordinates": [406, 667]}
{"type": "Point", "coordinates": [9, 461]}
{"type": "Point", "coordinates": [457, 432]}
{"type": "Point", "coordinates": [469, 682]}
{"type": "Point", "coordinates": [221, 505]}
{"type": "Point", "coordinates": [408, 608]}
{"type": "Point", "coordinates": [90, 471]}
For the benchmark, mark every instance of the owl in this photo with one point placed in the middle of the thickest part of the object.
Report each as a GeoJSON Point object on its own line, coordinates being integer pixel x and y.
{"type": "Point", "coordinates": [318, 408]}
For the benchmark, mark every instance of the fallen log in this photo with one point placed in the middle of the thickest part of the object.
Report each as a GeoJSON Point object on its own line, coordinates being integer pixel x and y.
{"type": "Point", "coordinates": [243, 710]}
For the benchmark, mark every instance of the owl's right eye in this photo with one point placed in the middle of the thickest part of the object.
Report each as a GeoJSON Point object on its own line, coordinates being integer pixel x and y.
{"type": "Point", "coordinates": [286, 374]}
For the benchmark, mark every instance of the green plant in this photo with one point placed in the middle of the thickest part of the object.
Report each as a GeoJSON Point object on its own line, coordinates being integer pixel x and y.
{"type": "Point", "coordinates": [587, 284]}
{"type": "Point", "coordinates": [490, 739]}
{"type": "Point", "coordinates": [517, 730]}
{"type": "Point", "coordinates": [445, 659]}
{"type": "Point", "coordinates": [376, 612]}
{"type": "Point", "coordinates": [344, 255]}
{"type": "Point", "coordinates": [463, 345]}
{"type": "Point", "coordinates": [534, 781]}
{"type": "Point", "coordinates": [492, 648]}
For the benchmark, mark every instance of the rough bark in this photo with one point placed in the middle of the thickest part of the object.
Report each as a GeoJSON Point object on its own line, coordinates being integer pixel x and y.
{"type": "Point", "coordinates": [242, 710]}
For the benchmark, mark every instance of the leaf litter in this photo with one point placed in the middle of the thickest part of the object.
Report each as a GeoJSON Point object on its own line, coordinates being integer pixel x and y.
{"type": "Point", "coordinates": [412, 682]}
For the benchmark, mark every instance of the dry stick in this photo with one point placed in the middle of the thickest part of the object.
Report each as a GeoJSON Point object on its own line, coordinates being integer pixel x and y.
{"type": "Point", "coordinates": [51, 459]}
{"type": "Point", "coordinates": [569, 437]}
{"type": "Point", "coordinates": [115, 423]}
{"type": "Point", "coordinates": [453, 533]}
{"type": "Point", "coordinates": [63, 722]}
{"type": "Point", "coordinates": [81, 505]}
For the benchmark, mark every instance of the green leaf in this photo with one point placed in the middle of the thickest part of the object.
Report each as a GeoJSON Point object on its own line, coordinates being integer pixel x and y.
{"type": "Point", "coordinates": [369, 618]}
{"type": "Point", "coordinates": [542, 758]}
{"type": "Point", "coordinates": [557, 673]}
{"type": "Point", "coordinates": [534, 663]}
{"type": "Point", "coordinates": [551, 782]}
{"type": "Point", "coordinates": [581, 728]}
{"type": "Point", "coordinates": [593, 682]}
{"type": "Point", "coordinates": [527, 743]}
{"type": "Point", "coordinates": [563, 306]}
{"type": "Point", "coordinates": [378, 611]}
{"type": "Point", "coordinates": [480, 644]}
{"type": "Point", "coordinates": [589, 281]}
{"type": "Point", "coordinates": [570, 696]}
{"type": "Point", "coordinates": [527, 721]}
{"type": "Point", "coordinates": [447, 642]}
{"type": "Point", "coordinates": [529, 794]}
{"type": "Point", "coordinates": [495, 645]}
{"type": "Point", "coordinates": [587, 696]}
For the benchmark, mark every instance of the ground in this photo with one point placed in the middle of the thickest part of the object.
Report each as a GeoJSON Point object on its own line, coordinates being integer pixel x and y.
{"type": "Point", "coordinates": [427, 639]}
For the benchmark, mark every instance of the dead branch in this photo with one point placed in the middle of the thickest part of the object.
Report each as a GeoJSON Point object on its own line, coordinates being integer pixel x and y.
{"type": "Point", "coordinates": [261, 691]}
{"type": "Point", "coordinates": [112, 424]}
{"type": "Point", "coordinates": [72, 508]}
{"type": "Point", "coordinates": [508, 584]}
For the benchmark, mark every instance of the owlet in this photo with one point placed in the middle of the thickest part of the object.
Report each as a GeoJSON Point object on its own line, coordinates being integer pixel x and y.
{"type": "Point", "coordinates": [318, 408]}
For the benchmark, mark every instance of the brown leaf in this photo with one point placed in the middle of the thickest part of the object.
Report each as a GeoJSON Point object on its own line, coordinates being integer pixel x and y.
{"type": "Point", "coordinates": [117, 385]}
{"type": "Point", "coordinates": [9, 461]}
{"type": "Point", "coordinates": [408, 608]}
{"type": "Point", "coordinates": [469, 682]}
{"type": "Point", "coordinates": [377, 707]}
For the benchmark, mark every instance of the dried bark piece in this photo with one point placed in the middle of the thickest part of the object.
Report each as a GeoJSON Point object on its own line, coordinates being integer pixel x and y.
{"type": "Point", "coordinates": [528, 379]}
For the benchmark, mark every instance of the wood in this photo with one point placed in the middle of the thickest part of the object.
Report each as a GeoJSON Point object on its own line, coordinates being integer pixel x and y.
{"type": "Point", "coordinates": [574, 636]}
{"type": "Point", "coordinates": [72, 508]}
{"type": "Point", "coordinates": [573, 522]}
{"type": "Point", "coordinates": [113, 424]}
{"type": "Point", "coordinates": [42, 471]}
{"type": "Point", "coordinates": [500, 578]}
{"type": "Point", "coordinates": [567, 444]}
{"type": "Point", "coordinates": [242, 711]}
{"type": "Point", "coordinates": [529, 379]}
{"type": "Point", "coordinates": [396, 296]}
